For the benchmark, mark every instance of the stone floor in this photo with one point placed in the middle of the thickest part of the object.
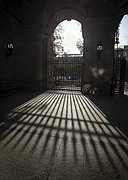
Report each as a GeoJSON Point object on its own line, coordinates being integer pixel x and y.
{"type": "Point", "coordinates": [62, 135]}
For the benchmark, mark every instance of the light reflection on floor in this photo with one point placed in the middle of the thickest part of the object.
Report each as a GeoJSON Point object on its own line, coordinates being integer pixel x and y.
{"type": "Point", "coordinates": [61, 133]}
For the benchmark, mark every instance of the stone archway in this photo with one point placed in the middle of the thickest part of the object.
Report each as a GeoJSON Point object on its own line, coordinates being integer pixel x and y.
{"type": "Point", "coordinates": [63, 14]}
{"type": "Point", "coordinates": [64, 67]}
{"type": "Point", "coordinates": [98, 26]}
{"type": "Point", "coordinates": [120, 70]}
{"type": "Point", "coordinates": [97, 74]}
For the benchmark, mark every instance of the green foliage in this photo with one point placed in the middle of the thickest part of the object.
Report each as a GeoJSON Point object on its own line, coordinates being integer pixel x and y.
{"type": "Point", "coordinates": [79, 45]}
{"type": "Point", "coordinates": [58, 39]}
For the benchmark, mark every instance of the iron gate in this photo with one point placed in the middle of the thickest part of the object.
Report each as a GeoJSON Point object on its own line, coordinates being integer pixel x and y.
{"type": "Point", "coordinates": [64, 73]}
{"type": "Point", "coordinates": [119, 75]}
{"type": "Point", "coordinates": [119, 68]}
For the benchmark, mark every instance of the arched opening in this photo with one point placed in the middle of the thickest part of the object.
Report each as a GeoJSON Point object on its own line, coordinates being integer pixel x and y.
{"type": "Point", "coordinates": [121, 58]}
{"type": "Point", "coordinates": [123, 45]}
{"type": "Point", "coordinates": [64, 67]}
{"type": "Point", "coordinates": [68, 39]}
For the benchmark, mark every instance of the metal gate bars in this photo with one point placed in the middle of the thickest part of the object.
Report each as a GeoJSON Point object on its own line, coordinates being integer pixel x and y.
{"type": "Point", "coordinates": [119, 75]}
{"type": "Point", "coordinates": [64, 73]}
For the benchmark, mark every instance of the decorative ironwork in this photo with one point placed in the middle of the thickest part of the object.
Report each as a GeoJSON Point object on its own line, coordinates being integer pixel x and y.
{"type": "Point", "coordinates": [119, 69]}
{"type": "Point", "coordinates": [64, 73]}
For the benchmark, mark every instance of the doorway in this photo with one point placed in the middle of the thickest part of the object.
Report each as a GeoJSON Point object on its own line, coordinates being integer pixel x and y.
{"type": "Point", "coordinates": [64, 69]}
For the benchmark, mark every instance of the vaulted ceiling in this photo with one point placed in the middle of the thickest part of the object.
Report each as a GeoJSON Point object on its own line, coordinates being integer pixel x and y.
{"type": "Point", "coordinates": [28, 12]}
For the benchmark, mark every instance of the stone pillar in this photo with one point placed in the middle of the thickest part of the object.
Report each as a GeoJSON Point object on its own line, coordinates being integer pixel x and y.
{"type": "Point", "coordinates": [44, 61]}
{"type": "Point", "coordinates": [41, 60]}
{"type": "Point", "coordinates": [97, 71]}
{"type": "Point", "coordinates": [50, 59]}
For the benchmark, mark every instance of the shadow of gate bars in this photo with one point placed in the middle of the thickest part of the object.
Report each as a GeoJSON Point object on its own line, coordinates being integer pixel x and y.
{"type": "Point", "coordinates": [64, 73]}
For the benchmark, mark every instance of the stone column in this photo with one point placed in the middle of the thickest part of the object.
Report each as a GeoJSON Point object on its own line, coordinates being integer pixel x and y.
{"type": "Point", "coordinates": [44, 60]}
{"type": "Point", "coordinates": [41, 61]}
{"type": "Point", "coordinates": [97, 70]}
